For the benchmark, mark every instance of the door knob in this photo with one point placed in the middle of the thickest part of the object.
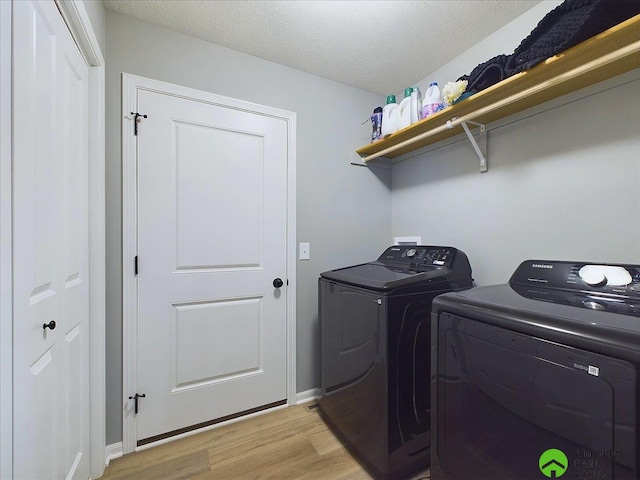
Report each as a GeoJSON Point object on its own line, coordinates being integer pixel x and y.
{"type": "Point", "coordinates": [51, 325]}
{"type": "Point", "coordinates": [278, 282]}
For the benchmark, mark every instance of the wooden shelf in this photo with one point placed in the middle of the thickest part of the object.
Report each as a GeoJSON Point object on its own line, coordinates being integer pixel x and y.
{"type": "Point", "coordinates": [609, 54]}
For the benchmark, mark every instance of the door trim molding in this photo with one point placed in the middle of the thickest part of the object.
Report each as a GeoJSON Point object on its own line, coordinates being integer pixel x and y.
{"type": "Point", "coordinates": [131, 84]}
{"type": "Point", "coordinates": [6, 234]}
{"type": "Point", "coordinates": [77, 20]}
{"type": "Point", "coordinates": [97, 269]}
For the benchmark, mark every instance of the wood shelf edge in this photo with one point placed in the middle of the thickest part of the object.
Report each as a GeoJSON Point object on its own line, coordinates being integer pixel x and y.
{"type": "Point", "coordinates": [612, 53]}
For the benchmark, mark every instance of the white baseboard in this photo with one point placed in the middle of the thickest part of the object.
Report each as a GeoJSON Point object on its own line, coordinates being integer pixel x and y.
{"type": "Point", "coordinates": [112, 452]}
{"type": "Point", "coordinates": [307, 396]}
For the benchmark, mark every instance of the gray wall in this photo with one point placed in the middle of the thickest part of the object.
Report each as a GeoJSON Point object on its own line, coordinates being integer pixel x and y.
{"type": "Point", "coordinates": [504, 41]}
{"type": "Point", "coordinates": [342, 210]}
{"type": "Point", "coordinates": [563, 179]}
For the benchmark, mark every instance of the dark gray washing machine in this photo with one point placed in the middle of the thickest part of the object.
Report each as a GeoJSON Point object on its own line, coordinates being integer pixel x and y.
{"type": "Point", "coordinates": [549, 362]}
{"type": "Point", "coordinates": [375, 334]}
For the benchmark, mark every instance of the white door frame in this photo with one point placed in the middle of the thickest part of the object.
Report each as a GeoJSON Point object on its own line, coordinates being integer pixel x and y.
{"type": "Point", "coordinates": [77, 19]}
{"type": "Point", "coordinates": [131, 84]}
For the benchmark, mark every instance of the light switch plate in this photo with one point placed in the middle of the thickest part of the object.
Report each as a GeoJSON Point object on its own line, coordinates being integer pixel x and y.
{"type": "Point", "coordinates": [304, 251]}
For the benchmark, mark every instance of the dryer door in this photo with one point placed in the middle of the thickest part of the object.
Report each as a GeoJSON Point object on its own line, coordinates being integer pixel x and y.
{"type": "Point", "coordinates": [511, 406]}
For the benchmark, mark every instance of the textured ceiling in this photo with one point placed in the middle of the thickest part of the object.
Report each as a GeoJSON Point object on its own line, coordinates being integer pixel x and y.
{"type": "Point", "coordinates": [379, 46]}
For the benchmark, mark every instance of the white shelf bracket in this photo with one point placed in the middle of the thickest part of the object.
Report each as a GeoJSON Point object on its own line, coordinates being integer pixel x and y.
{"type": "Point", "coordinates": [481, 148]}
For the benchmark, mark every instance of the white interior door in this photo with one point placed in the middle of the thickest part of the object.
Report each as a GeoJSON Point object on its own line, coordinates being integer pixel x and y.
{"type": "Point", "coordinates": [50, 247]}
{"type": "Point", "coordinates": [212, 237]}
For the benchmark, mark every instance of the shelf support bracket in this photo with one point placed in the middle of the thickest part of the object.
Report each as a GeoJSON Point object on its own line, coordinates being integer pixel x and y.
{"type": "Point", "coordinates": [359, 163]}
{"type": "Point", "coordinates": [482, 137]}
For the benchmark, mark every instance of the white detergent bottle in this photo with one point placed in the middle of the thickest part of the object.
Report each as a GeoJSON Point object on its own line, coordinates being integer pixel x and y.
{"type": "Point", "coordinates": [416, 105]}
{"type": "Point", "coordinates": [432, 101]}
{"type": "Point", "coordinates": [404, 109]}
{"type": "Point", "coordinates": [390, 116]}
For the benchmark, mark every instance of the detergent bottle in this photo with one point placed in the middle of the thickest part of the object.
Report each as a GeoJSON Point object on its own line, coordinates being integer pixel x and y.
{"type": "Point", "coordinates": [432, 101]}
{"type": "Point", "coordinates": [404, 109]}
{"type": "Point", "coordinates": [376, 124]}
{"type": "Point", "coordinates": [390, 116]}
{"type": "Point", "coordinates": [416, 105]}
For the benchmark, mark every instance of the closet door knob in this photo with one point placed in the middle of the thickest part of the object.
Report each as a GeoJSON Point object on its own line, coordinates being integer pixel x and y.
{"type": "Point", "coordinates": [278, 283]}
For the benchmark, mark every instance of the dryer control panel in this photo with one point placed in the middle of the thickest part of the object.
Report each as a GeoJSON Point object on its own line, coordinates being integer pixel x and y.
{"type": "Point", "coordinates": [597, 278]}
{"type": "Point", "coordinates": [418, 255]}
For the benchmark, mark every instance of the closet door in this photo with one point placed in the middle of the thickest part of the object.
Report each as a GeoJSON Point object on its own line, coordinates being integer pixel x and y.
{"type": "Point", "coordinates": [50, 247]}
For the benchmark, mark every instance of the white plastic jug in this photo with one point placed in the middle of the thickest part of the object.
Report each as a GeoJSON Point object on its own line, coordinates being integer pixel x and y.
{"type": "Point", "coordinates": [432, 100]}
{"type": "Point", "coordinates": [390, 116]}
{"type": "Point", "coordinates": [404, 109]}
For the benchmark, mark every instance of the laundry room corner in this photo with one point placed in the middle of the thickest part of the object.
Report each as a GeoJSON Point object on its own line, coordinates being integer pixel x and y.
{"type": "Point", "coordinates": [562, 177]}
{"type": "Point", "coordinates": [370, 240]}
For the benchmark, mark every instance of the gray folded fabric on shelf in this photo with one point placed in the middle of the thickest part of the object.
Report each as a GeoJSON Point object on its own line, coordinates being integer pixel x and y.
{"type": "Point", "coordinates": [486, 74]}
{"type": "Point", "coordinates": [567, 25]}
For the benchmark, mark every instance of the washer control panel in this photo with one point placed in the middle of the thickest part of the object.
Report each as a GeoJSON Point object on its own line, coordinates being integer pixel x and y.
{"type": "Point", "coordinates": [419, 255]}
{"type": "Point", "coordinates": [586, 277]}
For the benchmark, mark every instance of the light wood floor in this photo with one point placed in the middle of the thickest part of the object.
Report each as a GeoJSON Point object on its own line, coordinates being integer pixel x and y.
{"type": "Point", "coordinates": [289, 443]}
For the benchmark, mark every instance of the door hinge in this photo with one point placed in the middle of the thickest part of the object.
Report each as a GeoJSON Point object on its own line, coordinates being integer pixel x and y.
{"type": "Point", "coordinates": [135, 400]}
{"type": "Point", "coordinates": [135, 265]}
{"type": "Point", "coordinates": [136, 115]}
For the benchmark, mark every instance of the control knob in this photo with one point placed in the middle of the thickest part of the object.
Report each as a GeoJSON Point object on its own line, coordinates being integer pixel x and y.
{"type": "Point", "coordinates": [601, 275]}
{"type": "Point", "coordinates": [592, 277]}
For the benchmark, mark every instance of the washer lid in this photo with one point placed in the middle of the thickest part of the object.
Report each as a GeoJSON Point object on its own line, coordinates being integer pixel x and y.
{"type": "Point", "coordinates": [378, 276]}
{"type": "Point", "coordinates": [598, 323]}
